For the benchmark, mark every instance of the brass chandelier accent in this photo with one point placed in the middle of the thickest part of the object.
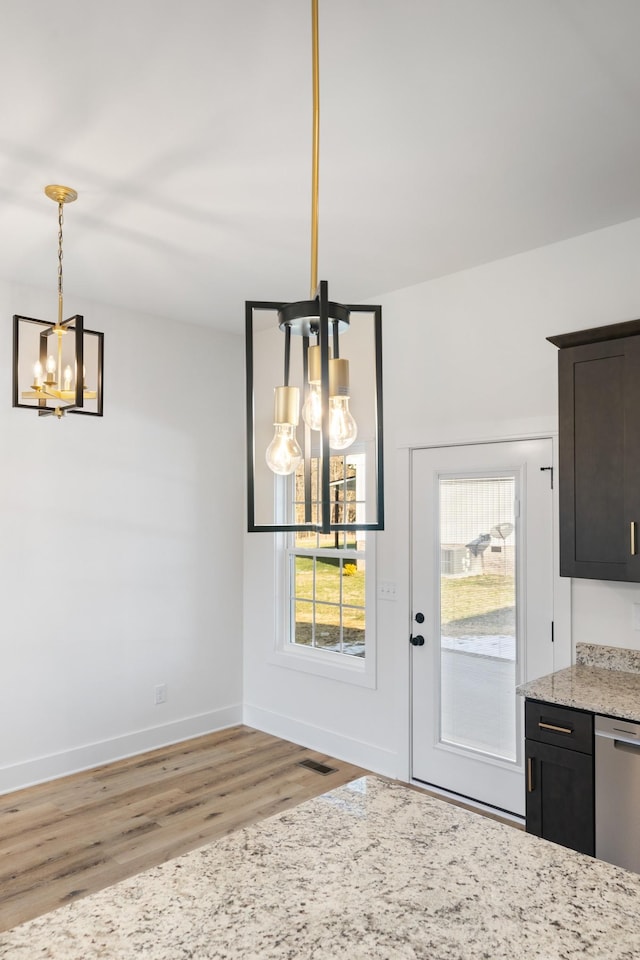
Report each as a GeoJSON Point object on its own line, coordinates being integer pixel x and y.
{"type": "Point", "coordinates": [59, 374]}
{"type": "Point", "coordinates": [322, 379]}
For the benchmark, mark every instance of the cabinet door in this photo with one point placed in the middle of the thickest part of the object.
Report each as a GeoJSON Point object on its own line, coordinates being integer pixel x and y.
{"type": "Point", "coordinates": [560, 796]}
{"type": "Point", "coordinates": [599, 454]}
{"type": "Point", "coordinates": [559, 726]}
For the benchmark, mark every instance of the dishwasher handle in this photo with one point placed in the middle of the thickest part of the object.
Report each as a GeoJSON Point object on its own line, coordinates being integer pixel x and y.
{"type": "Point", "coordinates": [619, 735]}
{"type": "Point", "coordinates": [627, 747]}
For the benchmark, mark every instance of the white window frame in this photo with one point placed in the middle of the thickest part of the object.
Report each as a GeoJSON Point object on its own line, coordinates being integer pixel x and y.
{"type": "Point", "coordinates": [347, 668]}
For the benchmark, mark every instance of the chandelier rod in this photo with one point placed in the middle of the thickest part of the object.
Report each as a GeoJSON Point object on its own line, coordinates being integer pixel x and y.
{"type": "Point", "coordinates": [60, 195]}
{"type": "Point", "coordinates": [315, 148]}
{"type": "Point", "coordinates": [60, 295]}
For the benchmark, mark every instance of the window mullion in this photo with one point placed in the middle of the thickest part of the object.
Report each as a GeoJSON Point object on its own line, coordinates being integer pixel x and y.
{"type": "Point", "coordinates": [340, 597]}
{"type": "Point", "coordinates": [313, 605]}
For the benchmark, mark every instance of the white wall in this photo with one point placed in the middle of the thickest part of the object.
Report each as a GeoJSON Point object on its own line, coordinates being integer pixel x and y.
{"type": "Point", "coordinates": [465, 358]}
{"type": "Point", "coordinates": [120, 538]}
{"type": "Point", "coordinates": [120, 549]}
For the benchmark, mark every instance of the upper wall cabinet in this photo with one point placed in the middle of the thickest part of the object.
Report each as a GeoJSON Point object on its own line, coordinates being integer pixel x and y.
{"type": "Point", "coordinates": [599, 454]}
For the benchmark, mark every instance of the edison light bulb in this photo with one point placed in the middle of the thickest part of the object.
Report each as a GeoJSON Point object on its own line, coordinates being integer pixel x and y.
{"type": "Point", "coordinates": [51, 366]}
{"type": "Point", "coordinates": [283, 455]}
{"type": "Point", "coordinates": [67, 377]}
{"type": "Point", "coordinates": [343, 429]}
{"type": "Point", "coordinates": [312, 408]}
{"type": "Point", "coordinates": [37, 374]}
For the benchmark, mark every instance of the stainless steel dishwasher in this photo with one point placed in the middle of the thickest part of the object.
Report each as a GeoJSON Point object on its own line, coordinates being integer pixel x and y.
{"type": "Point", "coordinates": [617, 763]}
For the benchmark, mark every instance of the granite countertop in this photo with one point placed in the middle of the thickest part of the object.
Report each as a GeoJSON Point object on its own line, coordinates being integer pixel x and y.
{"type": "Point", "coordinates": [371, 871]}
{"type": "Point", "coordinates": [603, 680]}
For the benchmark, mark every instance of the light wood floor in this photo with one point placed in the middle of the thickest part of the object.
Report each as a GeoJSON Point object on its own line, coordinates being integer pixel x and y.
{"type": "Point", "coordinates": [63, 840]}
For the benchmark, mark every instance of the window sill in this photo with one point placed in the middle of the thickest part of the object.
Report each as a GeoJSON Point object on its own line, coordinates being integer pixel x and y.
{"type": "Point", "coordinates": [354, 670]}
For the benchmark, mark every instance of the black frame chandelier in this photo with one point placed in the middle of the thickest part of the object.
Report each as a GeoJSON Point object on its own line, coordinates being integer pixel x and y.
{"type": "Point", "coordinates": [333, 479]}
{"type": "Point", "coordinates": [57, 367]}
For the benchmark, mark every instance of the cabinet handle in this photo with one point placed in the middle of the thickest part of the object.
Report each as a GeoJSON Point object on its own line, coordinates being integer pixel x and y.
{"type": "Point", "coordinates": [530, 774]}
{"type": "Point", "coordinates": [551, 726]}
{"type": "Point", "coordinates": [634, 544]}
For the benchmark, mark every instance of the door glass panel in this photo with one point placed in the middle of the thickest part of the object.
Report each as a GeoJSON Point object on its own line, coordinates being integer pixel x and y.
{"type": "Point", "coordinates": [478, 614]}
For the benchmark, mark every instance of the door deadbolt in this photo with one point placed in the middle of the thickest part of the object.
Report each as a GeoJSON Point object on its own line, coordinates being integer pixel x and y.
{"type": "Point", "coordinates": [419, 617]}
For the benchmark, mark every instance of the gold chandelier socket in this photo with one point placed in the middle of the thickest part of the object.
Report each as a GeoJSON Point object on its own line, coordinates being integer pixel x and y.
{"type": "Point", "coordinates": [286, 407]}
{"type": "Point", "coordinates": [60, 194]}
{"type": "Point", "coordinates": [314, 365]}
{"type": "Point", "coordinates": [339, 378]}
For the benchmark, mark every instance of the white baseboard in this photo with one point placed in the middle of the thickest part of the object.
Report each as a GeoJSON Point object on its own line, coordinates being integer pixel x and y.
{"type": "Point", "coordinates": [55, 765]}
{"type": "Point", "coordinates": [358, 752]}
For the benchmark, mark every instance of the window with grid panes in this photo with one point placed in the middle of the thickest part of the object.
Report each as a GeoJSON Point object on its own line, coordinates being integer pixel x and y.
{"type": "Point", "coordinates": [327, 572]}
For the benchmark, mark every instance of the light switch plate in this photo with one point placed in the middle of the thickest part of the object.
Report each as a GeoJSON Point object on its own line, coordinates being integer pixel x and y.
{"type": "Point", "coordinates": [387, 590]}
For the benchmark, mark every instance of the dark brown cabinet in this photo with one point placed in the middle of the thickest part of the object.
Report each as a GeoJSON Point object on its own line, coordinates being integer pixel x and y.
{"type": "Point", "coordinates": [560, 775]}
{"type": "Point", "coordinates": [599, 452]}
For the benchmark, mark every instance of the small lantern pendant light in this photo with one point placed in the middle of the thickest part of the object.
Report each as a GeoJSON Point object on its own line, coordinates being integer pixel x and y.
{"type": "Point", "coordinates": [50, 361]}
{"type": "Point", "coordinates": [328, 482]}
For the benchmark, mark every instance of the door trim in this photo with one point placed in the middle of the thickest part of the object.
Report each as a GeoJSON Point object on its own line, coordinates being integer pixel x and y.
{"type": "Point", "coordinates": [448, 751]}
{"type": "Point", "coordinates": [564, 647]}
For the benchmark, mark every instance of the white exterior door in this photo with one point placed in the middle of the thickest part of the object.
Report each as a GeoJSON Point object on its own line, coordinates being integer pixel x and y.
{"type": "Point", "coordinates": [482, 602]}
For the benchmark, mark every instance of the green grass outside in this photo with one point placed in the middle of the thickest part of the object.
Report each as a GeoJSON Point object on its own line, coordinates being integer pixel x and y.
{"type": "Point", "coordinates": [328, 578]}
{"type": "Point", "coordinates": [483, 602]}
{"type": "Point", "coordinates": [465, 597]}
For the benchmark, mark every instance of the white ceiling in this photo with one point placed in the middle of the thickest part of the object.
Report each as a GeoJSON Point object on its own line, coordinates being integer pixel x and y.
{"type": "Point", "coordinates": [453, 132]}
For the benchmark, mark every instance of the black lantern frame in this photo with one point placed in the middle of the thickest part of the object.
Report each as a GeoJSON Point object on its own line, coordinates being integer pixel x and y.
{"type": "Point", "coordinates": [47, 406]}
{"type": "Point", "coordinates": [325, 321]}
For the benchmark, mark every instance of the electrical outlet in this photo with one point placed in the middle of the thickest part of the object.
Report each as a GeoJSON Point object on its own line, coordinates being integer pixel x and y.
{"type": "Point", "coordinates": [386, 590]}
{"type": "Point", "coordinates": [161, 693]}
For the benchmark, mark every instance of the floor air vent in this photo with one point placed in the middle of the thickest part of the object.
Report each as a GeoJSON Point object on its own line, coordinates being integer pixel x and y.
{"type": "Point", "coordinates": [317, 767]}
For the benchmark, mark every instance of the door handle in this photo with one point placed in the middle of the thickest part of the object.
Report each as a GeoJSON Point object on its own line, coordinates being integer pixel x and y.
{"type": "Point", "coordinates": [417, 641]}
{"type": "Point", "coordinates": [634, 540]}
